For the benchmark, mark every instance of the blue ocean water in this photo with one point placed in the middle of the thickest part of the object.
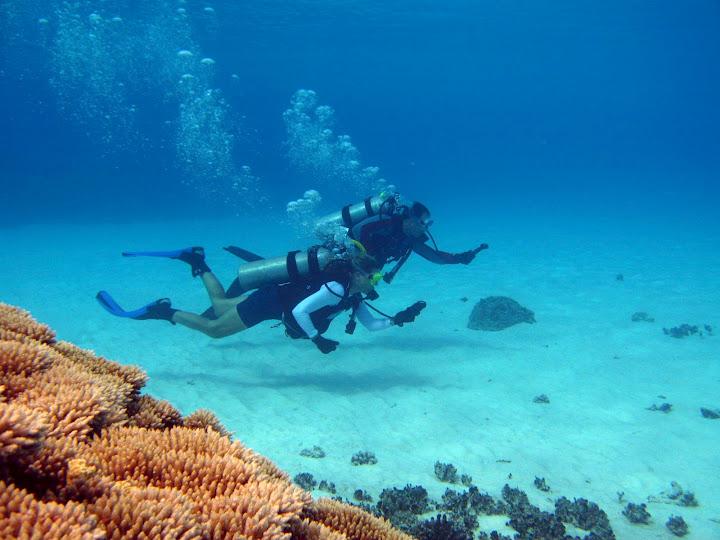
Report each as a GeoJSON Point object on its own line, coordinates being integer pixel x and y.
{"type": "Point", "coordinates": [580, 139]}
{"type": "Point", "coordinates": [569, 105]}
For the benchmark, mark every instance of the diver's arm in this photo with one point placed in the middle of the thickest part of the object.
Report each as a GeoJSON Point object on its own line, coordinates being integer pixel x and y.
{"type": "Point", "coordinates": [369, 321]}
{"type": "Point", "coordinates": [328, 295]}
{"type": "Point", "coordinates": [443, 257]}
{"type": "Point", "coordinates": [432, 255]}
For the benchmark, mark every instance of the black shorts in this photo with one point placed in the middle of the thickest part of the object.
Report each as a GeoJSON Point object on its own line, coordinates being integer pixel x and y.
{"type": "Point", "coordinates": [261, 305]}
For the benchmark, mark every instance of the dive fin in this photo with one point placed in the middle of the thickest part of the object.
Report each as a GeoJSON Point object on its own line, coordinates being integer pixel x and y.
{"type": "Point", "coordinates": [244, 254]}
{"type": "Point", "coordinates": [110, 305]}
{"type": "Point", "coordinates": [159, 309]}
{"type": "Point", "coordinates": [172, 254]}
{"type": "Point", "coordinates": [194, 256]}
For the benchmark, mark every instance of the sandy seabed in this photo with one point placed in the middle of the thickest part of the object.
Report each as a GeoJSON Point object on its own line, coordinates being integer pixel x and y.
{"type": "Point", "coordinates": [433, 390]}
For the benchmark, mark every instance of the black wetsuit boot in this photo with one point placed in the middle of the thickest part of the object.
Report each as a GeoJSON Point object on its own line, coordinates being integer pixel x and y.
{"type": "Point", "coordinates": [159, 310]}
{"type": "Point", "coordinates": [195, 257]}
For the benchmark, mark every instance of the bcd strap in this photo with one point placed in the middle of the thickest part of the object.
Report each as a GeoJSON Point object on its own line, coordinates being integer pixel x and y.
{"type": "Point", "coordinates": [291, 264]}
{"type": "Point", "coordinates": [368, 206]}
{"type": "Point", "coordinates": [389, 276]}
{"type": "Point", "coordinates": [347, 220]}
{"type": "Point", "coordinates": [313, 263]}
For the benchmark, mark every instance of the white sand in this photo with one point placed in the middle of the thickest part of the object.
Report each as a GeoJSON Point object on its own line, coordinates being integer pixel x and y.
{"type": "Point", "coordinates": [433, 390]}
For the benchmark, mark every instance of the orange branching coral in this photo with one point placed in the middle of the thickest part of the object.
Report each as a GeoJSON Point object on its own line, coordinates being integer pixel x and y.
{"type": "Point", "coordinates": [132, 375]}
{"type": "Point", "coordinates": [311, 530]}
{"type": "Point", "coordinates": [117, 396]}
{"type": "Point", "coordinates": [19, 362]}
{"type": "Point", "coordinates": [352, 521]}
{"type": "Point", "coordinates": [14, 320]}
{"type": "Point", "coordinates": [17, 358]}
{"type": "Point", "coordinates": [101, 461]}
{"type": "Point", "coordinates": [23, 516]}
{"type": "Point", "coordinates": [265, 510]}
{"type": "Point", "coordinates": [21, 431]}
{"type": "Point", "coordinates": [192, 461]}
{"type": "Point", "coordinates": [153, 413]}
{"type": "Point", "coordinates": [235, 494]}
{"type": "Point", "coordinates": [47, 467]}
{"type": "Point", "coordinates": [203, 419]}
{"type": "Point", "coordinates": [69, 400]}
{"type": "Point", "coordinates": [132, 512]}
{"type": "Point", "coordinates": [116, 399]}
{"type": "Point", "coordinates": [80, 471]}
{"type": "Point", "coordinates": [120, 385]}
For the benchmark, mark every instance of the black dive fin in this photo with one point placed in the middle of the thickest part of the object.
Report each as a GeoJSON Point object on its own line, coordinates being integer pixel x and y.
{"type": "Point", "coordinates": [244, 254]}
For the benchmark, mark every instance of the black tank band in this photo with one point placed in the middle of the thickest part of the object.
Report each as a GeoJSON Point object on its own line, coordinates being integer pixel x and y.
{"type": "Point", "coordinates": [368, 207]}
{"type": "Point", "coordinates": [347, 220]}
{"type": "Point", "coordinates": [291, 264]}
{"type": "Point", "coordinates": [313, 263]}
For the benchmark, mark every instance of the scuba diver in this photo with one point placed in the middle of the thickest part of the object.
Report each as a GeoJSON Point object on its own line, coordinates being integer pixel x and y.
{"type": "Point", "coordinates": [381, 227]}
{"type": "Point", "coordinates": [391, 232]}
{"type": "Point", "coordinates": [305, 305]}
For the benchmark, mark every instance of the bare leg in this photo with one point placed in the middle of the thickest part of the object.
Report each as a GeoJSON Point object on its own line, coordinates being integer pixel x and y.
{"type": "Point", "coordinates": [216, 293]}
{"type": "Point", "coordinates": [225, 325]}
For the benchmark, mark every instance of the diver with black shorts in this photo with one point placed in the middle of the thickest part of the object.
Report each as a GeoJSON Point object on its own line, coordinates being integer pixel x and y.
{"type": "Point", "coordinates": [305, 306]}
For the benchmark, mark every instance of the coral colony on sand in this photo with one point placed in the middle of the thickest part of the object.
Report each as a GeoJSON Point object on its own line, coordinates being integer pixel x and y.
{"type": "Point", "coordinates": [497, 313]}
{"type": "Point", "coordinates": [84, 455]}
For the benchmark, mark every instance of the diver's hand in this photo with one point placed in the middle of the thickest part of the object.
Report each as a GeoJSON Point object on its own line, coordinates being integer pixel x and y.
{"type": "Point", "coordinates": [466, 257]}
{"type": "Point", "coordinates": [408, 315]}
{"type": "Point", "coordinates": [325, 345]}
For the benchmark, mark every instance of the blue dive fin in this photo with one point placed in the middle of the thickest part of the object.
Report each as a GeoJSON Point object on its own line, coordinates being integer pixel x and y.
{"type": "Point", "coordinates": [172, 254]}
{"type": "Point", "coordinates": [111, 306]}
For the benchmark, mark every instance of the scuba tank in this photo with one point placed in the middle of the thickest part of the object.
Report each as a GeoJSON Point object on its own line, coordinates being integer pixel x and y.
{"type": "Point", "coordinates": [352, 214]}
{"type": "Point", "coordinates": [293, 267]}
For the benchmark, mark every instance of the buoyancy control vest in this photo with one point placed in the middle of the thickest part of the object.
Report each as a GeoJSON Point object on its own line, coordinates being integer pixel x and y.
{"type": "Point", "coordinates": [291, 294]}
{"type": "Point", "coordinates": [383, 238]}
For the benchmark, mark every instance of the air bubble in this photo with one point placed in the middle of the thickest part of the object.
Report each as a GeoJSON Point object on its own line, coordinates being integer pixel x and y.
{"type": "Point", "coordinates": [316, 151]}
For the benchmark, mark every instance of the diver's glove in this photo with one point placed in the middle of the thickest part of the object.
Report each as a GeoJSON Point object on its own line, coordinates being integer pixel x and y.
{"type": "Point", "coordinates": [325, 345]}
{"type": "Point", "coordinates": [408, 315]}
{"type": "Point", "coordinates": [466, 257]}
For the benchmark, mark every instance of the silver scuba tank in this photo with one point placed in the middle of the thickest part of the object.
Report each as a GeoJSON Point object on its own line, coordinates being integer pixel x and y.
{"type": "Point", "coordinates": [294, 266]}
{"type": "Point", "coordinates": [352, 214]}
